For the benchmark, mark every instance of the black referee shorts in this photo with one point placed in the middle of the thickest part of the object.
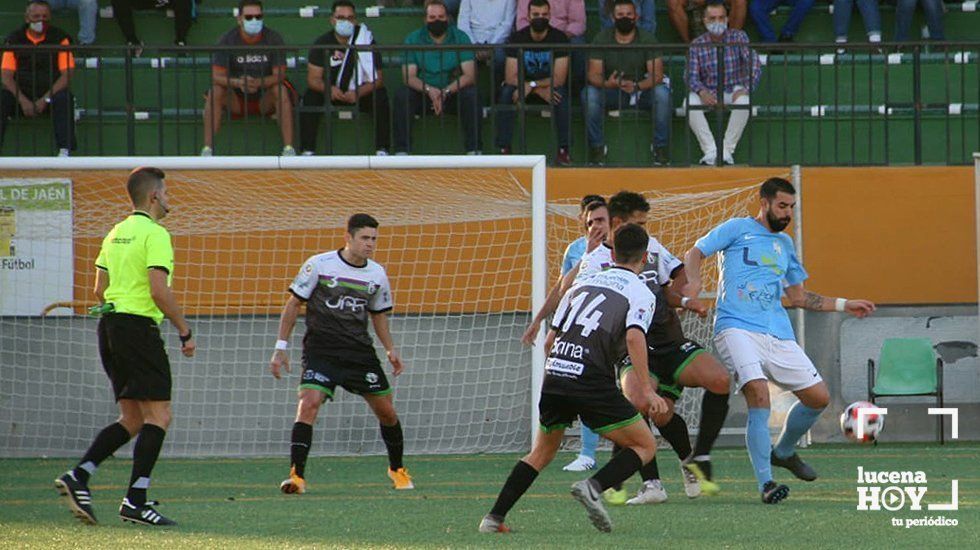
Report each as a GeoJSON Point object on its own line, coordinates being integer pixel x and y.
{"type": "Point", "coordinates": [133, 357]}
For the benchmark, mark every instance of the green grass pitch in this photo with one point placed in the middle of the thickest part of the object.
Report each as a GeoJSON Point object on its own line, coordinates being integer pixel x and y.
{"type": "Point", "coordinates": [349, 504]}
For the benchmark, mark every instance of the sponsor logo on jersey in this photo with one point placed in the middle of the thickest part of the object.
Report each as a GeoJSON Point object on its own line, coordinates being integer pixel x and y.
{"type": "Point", "coordinates": [560, 366]}
{"type": "Point", "coordinates": [347, 303]}
{"type": "Point", "coordinates": [568, 349]}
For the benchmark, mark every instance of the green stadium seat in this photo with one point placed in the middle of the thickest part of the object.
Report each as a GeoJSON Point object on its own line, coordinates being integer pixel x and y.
{"type": "Point", "coordinates": [907, 367]}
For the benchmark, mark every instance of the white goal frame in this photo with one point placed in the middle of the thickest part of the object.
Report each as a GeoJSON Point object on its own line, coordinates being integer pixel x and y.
{"type": "Point", "coordinates": [535, 163]}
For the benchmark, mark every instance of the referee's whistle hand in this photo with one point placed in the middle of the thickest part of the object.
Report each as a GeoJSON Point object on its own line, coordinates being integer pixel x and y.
{"type": "Point", "coordinates": [188, 347]}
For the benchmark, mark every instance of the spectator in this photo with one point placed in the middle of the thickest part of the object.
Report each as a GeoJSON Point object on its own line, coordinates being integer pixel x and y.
{"type": "Point", "coordinates": [37, 81]}
{"type": "Point", "coordinates": [625, 78]}
{"type": "Point", "coordinates": [742, 71]}
{"type": "Point", "coordinates": [122, 10]}
{"type": "Point", "coordinates": [843, 9]}
{"type": "Point", "coordinates": [488, 22]}
{"type": "Point", "coordinates": [545, 78]}
{"type": "Point", "coordinates": [760, 10]}
{"type": "Point", "coordinates": [353, 78]}
{"type": "Point", "coordinates": [933, 10]}
{"type": "Point", "coordinates": [88, 15]}
{"type": "Point", "coordinates": [645, 9]}
{"type": "Point", "coordinates": [687, 16]}
{"type": "Point", "coordinates": [568, 16]}
{"type": "Point", "coordinates": [437, 79]}
{"type": "Point", "coordinates": [249, 81]}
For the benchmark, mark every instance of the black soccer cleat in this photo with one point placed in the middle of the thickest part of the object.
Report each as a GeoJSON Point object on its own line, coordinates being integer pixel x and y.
{"type": "Point", "coordinates": [772, 493]}
{"type": "Point", "coordinates": [586, 493]}
{"type": "Point", "coordinates": [794, 464]}
{"type": "Point", "coordinates": [79, 497]}
{"type": "Point", "coordinates": [143, 514]}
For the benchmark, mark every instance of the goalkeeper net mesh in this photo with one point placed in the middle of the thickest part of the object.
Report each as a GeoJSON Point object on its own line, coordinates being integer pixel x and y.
{"type": "Point", "coordinates": [455, 243]}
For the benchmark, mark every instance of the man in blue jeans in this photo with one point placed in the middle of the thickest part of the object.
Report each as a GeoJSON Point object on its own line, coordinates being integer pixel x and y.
{"type": "Point", "coordinates": [760, 10]}
{"type": "Point", "coordinates": [545, 78]}
{"type": "Point", "coordinates": [843, 9]}
{"type": "Point", "coordinates": [625, 78]}
{"type": "Point", "coordinates": [88, 15]}
{"type": "Point", "coordinates": [933, 10]}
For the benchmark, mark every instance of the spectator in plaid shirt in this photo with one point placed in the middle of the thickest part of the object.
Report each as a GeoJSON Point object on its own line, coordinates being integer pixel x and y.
{"type": "Point", "coordinates": [742, 70]}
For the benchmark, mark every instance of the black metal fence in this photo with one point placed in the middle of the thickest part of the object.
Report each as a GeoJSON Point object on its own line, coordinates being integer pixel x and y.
{"type": "Point", "coordinates": [871, 104]}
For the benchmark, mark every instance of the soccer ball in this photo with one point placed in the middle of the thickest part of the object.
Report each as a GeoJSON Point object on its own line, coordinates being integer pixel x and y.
{"type": "Point", "coordinates": [872, 423]}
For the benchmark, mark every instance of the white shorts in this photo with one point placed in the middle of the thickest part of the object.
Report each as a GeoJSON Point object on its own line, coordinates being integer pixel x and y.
{"type": "Point", "coordinates": [755, 356]}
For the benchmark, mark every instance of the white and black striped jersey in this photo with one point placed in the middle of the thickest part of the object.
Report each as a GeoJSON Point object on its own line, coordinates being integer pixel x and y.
{"type": "Point", "coordinates": [591, 324]}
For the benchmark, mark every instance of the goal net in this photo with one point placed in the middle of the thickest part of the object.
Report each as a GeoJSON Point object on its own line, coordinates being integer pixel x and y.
{"type": "Point", "coordinates": [457, 242]}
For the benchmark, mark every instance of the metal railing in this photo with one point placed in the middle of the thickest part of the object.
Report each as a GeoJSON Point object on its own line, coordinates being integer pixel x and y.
{"type": "Point", "coordinates": [873, 104]}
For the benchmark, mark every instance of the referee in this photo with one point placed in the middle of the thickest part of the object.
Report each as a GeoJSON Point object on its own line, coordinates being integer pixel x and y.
{"type": "Point", "coordinates": [132, 282]}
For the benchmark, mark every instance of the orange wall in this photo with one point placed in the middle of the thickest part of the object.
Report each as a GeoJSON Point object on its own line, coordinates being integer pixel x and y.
{"type": "Point", "coordinates": [898, 235]}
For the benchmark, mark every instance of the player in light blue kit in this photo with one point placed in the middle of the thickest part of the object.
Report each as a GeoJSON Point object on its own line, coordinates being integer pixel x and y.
{"type": "Point", "coordinates": [573, 254]}
{"type": "Point", "coordinates": [753, 334]}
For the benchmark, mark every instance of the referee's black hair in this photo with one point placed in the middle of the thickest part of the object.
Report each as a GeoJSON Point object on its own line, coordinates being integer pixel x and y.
{"type": "Point", "coordinates": [629, 243]}
{"type": "Point", "coordinates": [771, 186]}
{"type": "Point", "coordinates": [624, 203]}
{"type": "Point", "coordinates": [142, 181]}
{"type": "Point", "coordinates": [360, 220]}
{"type": "Point", "coordinates": [588, 199]}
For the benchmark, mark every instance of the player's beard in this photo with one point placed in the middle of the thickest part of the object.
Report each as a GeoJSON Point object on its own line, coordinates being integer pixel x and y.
{"type": "Point", "coordinates": [777, 224]}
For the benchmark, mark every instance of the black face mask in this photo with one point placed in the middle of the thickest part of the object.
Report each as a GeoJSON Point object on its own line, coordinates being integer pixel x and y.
{"type": "Point", "coordinates": [438, 27]}
{"type": "Point", "coordinates": [539, 24]}
{"type": "Point", "coordinates": [625, 25]}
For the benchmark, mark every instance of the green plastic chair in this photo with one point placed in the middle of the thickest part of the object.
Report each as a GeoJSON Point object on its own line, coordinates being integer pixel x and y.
{"type": "Point", "coordinates": [907, 367]}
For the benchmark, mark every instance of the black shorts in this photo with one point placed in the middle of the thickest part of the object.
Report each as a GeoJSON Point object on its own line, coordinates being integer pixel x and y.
{"type": "Point", "coordinates": [666, 365]}
{"type": "Point", "coordinates": [602, 412]}
{"type": "Point", "coordinates": [133, 357]}
{"type": "Point", "coordinates": [363, 376]}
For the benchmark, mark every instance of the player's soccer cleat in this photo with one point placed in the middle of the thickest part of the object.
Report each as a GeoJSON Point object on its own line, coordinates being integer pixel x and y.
{"type": "Point", "coordinates": [401, 479]}
{"type": "Point", "coordinates": [493, 524]}
{"type": "Point", "coordinates": [701, 469]}
{"type": "Point", "coordinates": [651, 492]}
{"type": "Point", "coordinates": [79, 497]}
{"type": "Point", "coordinates": [143, 515]}
{"type": "Point", "coordinates": [581, 463]}
{"type": "Point", "coordinates": [293, 484]}
{"type": "Point", "coordinates": [773, 493]}
{"type": "Point", "coordinates": [794, 464]}
{"type": "Point", "coordinates": [692, 487]}
{"type": "Point", "coordinates": [588, 495]}
{"type": "Point", "coordinates": [615, 497]}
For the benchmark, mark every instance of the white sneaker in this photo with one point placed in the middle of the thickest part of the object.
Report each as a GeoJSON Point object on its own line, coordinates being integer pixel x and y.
{"type": "Point", "coordinates": [651, 492]}
{"type": "Point", "coordinates": [728, 159]}
{"type": "Point", "coordinates": [709, 159]}
{"type": "Point", "coordinates": [63, 152]}
{"type": "Point", "coordinates": [207, 151]}
{"type": "Point", "coordinates": [288, 151]}
{"type": "Point", "coordinates": [581, 463]}
{"type": "Point", "coordinates": [307, 153]}
{"type": "Point", "coordinates": [691, 484]}
{"type": "Point", "coordinates": [381, 153]}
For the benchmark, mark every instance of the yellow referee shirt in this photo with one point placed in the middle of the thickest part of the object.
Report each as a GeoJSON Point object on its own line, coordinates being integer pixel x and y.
{"type": "Point", "coordinates": [134, 246]}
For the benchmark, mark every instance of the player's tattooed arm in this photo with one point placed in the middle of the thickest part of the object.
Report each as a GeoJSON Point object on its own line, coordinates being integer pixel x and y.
{"type": "Point", "coordinates": [816, 302]}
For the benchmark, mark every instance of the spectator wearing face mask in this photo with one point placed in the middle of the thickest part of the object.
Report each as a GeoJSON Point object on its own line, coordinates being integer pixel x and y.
{"type": "Point", "coordinates": [437, 80]}
{"type": "Point", "coordinates": [347, 76]}
{"type": "Point", "coordinates": [742, 71]}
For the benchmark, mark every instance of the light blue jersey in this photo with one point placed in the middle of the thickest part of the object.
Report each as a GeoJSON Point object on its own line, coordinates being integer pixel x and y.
{"type": "Point", "coordinates": [755, 265]}
{"type": "Point", "coordinates": [573, 253]}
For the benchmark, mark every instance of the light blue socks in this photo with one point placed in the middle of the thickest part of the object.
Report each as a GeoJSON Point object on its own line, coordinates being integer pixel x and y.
{"type": "Point", "coordinates": [798, 421]}
{"type": "Point", "coordinates": [757, 442]}
{"type": "Point", "coordinates": [590, 440]}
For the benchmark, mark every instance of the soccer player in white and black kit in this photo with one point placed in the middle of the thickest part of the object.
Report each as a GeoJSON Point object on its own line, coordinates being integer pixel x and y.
{"type": "Point", "coordinates": [597, 323]}
{"type": "Point", "coordinates": [675, 361]}
{"type": "Point", "coordinates": [342, 289]}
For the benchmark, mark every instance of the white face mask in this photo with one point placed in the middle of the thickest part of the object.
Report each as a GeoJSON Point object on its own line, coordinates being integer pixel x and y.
{"type": "Point", "coordinates": [37, 26]}
{"type": "Point", "coordinates": [252, 27]}
{"type": "Point", "coordinates": [344, 28]}
{"type": "Point", "coordinates": [717, 28]}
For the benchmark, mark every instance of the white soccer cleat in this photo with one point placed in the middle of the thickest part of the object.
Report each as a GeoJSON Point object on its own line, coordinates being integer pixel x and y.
{"type": "Point", "coordinates": [651, 492]}
{"type": "Point", "coordinates": [691, 484]}
{"type": "Point", "coordinates": [581, 463]}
